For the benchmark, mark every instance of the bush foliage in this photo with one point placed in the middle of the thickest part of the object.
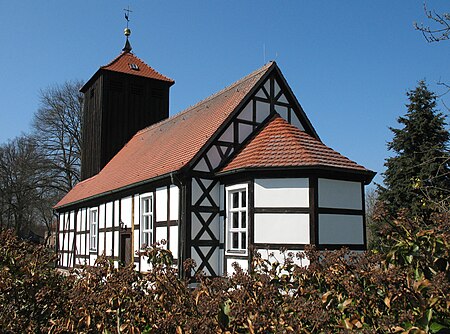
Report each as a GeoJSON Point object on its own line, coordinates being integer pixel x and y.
{"type": "Point", "coordinates": [403, 290]}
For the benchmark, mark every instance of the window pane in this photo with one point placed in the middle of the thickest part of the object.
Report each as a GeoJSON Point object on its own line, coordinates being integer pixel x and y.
{"type": "Point", "coordinates": [235, 219]}
{"type": "Point", "coordinates": [235, 240]}
{"type": "Point", "coordinates": [244, 199]}
{"type": "Point", "coordinates": [235, 200]}
{"type": "Point", "coordinates": [150, 204]}
{"type": "Point", "coordinates": [243, 219]}
{"type": "Point", "coordinates": [244, 240]}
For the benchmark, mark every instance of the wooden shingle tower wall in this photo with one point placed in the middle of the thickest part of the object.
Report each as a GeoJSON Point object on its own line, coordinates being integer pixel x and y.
{"type": "Point", "coordinates": [120, 99]}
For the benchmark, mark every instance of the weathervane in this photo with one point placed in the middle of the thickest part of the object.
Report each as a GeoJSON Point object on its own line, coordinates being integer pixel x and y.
{"type": "Point", "coordinates": [127, 31]}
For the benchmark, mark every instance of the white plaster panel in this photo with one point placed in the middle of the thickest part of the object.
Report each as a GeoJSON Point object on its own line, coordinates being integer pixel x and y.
{"type": "Point", "coordinates": [283, 111]}
{"type": "Point", "coordinates": [79, 221]}
{"type": "Point", "coordinates": [161, 204]}
{"type": "Point", "coordinates": [174, 202]}
{"type": "Point", "coordinates": [214, 193]}
{"type": "Point", "coordinates": [195, 225]}
{"type": "Point", "coordinates": [296, 122]}
{"type": "Point", "coordinates": [227, 136]}
{"type": "Point", "coordinates": [202, 166]}
{"type": "Point", "coordinates": [101, 216]}
{"type": "Point", "coordinates": [161, 234]}
{"type": "Point", "coordinates": [116, 213]}
{"type": "Point", "coordinates": [283, 99]}
{"type": "Point", "coordinates": [92, 259]}
{"type": "Point", "coordinates": [174, 241]}
{"type": "Point", "coordinates": [276, 88]}
{"type": "Point", "coordinates": [282, 192]}
{"type": "Point", "coordinates": [214, 157]}
{"type": "Point", "coordinates": [101, 243]}
{"type": "Point", "coordinates": [222, 197]}
{"type": "Point", "coordinates": [274, 255]}
{"type": "Point", "coordinates": [72, 220]}
{"type": "Point", "coordinates": [267, 86]}
{"type": "Point", "coordinates": [108, 248]}
{"type": "Point", "coordinates": [290, 228]}
{"type": "Point", "coordinates": [82, 243]}
{"type": "Point", "coordinates": [116, 243]}
{"type": "Point", "coordinates": [261, 94]}
{"type": "Point", "coordinates": [213, 260]}
{"type": "Point", "coordinates": [244, 131]}
{"type": "Point", "coordinates": [213, 226]}
{"type": "Point", "coordinates": [247, 112]}
{"type": "Point", "coordinates": [137, 209]}
{"type": "Point", "coordinates": [340, 194]}
{"type": "Point", "coordinates": [137, 241]}
{"type": "Point", "coordinates": [221, 229]}
{"type": "Point", "coordinates": [242, 263]}
{"type": "Point", "coordinates": [262, 111]}
{"type": "Point", "coordinates": [196, 258]}
{"type": "Point", "coordinates": [341, 229]}
{"type": "Point", "coordinates": [196, 191]}
{"type": "Point", "coordinates": [109, 214]}
{"type": "Point", "coordinates": [125, 211]}
{"type": "Point", "coordinates": [60, 241]}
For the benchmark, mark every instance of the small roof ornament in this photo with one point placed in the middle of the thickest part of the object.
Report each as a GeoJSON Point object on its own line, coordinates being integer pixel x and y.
{"type": "Point", "coordinates": [127, 31]}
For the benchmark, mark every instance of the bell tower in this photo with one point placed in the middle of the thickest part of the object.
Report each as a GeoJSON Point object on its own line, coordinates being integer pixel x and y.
{"type": "Point", "coordinates": [120, 99]}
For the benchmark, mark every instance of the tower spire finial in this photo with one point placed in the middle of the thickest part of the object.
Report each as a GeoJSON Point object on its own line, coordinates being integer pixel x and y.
{"type": "Point", "coordinates": [127, 31]}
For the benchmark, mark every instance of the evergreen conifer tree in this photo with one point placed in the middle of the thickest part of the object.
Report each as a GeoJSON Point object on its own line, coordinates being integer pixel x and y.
{"type": "Point", "coordinates": [419, 172]}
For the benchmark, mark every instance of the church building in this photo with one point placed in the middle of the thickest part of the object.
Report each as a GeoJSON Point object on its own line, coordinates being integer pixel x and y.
{"type": "Point", "coordinates": [241, 171]}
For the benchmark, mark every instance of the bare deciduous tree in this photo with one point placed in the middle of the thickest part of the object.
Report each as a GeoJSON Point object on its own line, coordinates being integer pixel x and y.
{"type": "Point", "coordinates": [24, 180]}
{"type": "Point", "coordinates": [57, 128]}
{"type": "Point", "coordinates": [440, 28]}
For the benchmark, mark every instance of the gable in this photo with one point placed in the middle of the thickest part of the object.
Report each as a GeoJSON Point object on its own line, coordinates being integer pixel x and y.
{"type": "Point", "coordinates": [167, 146]}
{"type": "Point", "coordinates": [271, 96]}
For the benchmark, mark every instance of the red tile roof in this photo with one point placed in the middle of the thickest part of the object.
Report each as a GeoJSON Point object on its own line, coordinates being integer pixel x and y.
{"type": "Point", "coordinates": [280, 144]}
{"type": "Point", "coordinates": [167, 146]}
{"type": "Point", "coordinates": [123, 64]}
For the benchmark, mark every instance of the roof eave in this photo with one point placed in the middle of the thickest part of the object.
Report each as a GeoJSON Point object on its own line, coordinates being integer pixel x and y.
{"type": "Point", "coordinates": [115, 191]}
{"type": "Point", "coordinates": [367, 175]}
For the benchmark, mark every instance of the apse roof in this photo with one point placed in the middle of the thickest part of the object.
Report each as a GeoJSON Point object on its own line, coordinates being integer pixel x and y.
{"type": "Point", "coordinates": [280, 144]}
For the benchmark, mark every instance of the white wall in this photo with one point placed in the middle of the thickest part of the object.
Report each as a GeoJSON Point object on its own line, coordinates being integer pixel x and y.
{"type": "Point", "coordinates": [289, 192]}
{"type": "Point", "coordinates": [340, 194]}
{"type": "Point", "coordinates": [281, 228]}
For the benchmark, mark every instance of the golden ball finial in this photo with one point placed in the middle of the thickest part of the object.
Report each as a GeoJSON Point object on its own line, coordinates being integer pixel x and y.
{"type": "Point", "coordinates": [127, 32]}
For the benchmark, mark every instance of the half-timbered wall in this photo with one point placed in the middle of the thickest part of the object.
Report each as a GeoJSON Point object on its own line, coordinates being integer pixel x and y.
{"type": "Point", "coordinates": [205, 228]}
{"type": "Point", "coordinates": [268, 99]}
{"type": "Point", "coordinates": [118, 220]}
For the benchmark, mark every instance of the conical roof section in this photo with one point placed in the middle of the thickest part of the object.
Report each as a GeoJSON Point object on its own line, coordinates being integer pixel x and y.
{"type": "Point", "coordinates": [280, 144]}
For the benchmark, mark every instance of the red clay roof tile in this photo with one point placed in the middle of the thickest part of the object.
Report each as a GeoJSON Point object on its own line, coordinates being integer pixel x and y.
{"type": "Point", "coordinates": [280, 144]}
{"type": "Point", "coordinates": [166, 146]}
{"type": "Point", "coordinates": [123, 63]}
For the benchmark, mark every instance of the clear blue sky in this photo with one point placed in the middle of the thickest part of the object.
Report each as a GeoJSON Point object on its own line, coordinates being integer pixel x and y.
{"type": "Point", "coordinates": [349, 63]}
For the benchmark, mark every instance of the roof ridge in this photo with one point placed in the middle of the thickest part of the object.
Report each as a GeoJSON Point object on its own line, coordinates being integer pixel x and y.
{"type": "Point", "coordinates": [209, 98]}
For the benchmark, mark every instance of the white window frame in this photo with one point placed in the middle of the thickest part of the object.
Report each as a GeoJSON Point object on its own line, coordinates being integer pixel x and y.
{"type": "Point", "coordinates": [147, 231]}
{"type": "Point", "coordinates": [93, 229]}
{"type": "Point", "coordinates": [242, 211]}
